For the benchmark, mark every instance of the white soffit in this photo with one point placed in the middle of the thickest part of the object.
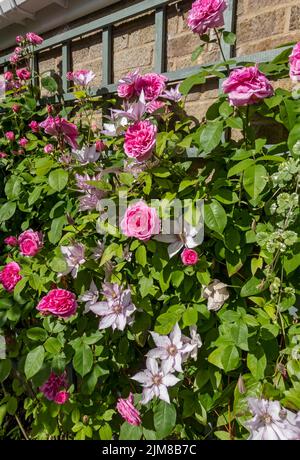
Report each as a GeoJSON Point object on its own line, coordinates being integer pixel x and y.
{"type": "Point", "coordinates": [20, 16]}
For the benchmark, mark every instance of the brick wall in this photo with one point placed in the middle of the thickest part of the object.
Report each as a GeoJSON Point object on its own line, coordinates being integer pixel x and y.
{"type": "Point", "coordinates": [260, 25]}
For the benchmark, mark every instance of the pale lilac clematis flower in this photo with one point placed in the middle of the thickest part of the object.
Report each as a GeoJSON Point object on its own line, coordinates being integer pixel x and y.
{"type": "Point", "coordinates": [155, 381]}
{"type": "Point", "coordinates": [182, 236]}
{"type": "Point", "coordinates": [173, 94]}
{"type": "Point", "coordinates": [133, 111]}
{"type": "Point", "coordinates": [272, 422]}
{"type": "Point", "coordinates": [117, 310]}
{"type": "Point", "coordinates": [195, 341]}
{"type": "Point", "coordinates": [92, 195]}
{"type": "Point", "coordinates": [170, 349]}
{"type": "Point", "coordinates": [90, 297]}
{"type": "Point", "coordinates": [74, 257]}
{"type": "Point", "coordinates": [88, 154]}
{"type": "Point", "coordinates": [116, 127]}
{"type": "Point", "coordinates": [98, 251]}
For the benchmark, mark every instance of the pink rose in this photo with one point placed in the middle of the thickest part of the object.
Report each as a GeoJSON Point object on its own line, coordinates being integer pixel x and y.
{"type": "Point", "coordinates": [152, 84]}
{"type": "Point", "coordinates": [81, 77]}
{"type": "Point", "coordinates": [140, 221]}
{"type": "Point", "coordinates": [19, 39]}
{"type": "Point", "coordinates": [140, 140]}
{"type": "Point", "coordinates": [30, 243]}
{"type": "Point", "coordinates": [8, 76]}
{"type": "Point", "coordinates": [127, 85]}
{"type": "Point", "coordinates": [154, 105]}
{"type": "Point", "coordinates": [247, 86]}
{"type": "Point", "coordinates": [189, 257]}
{"type": "Point", "coordinates": [23, 142]}
{"type": "Point", "coordinates": [10, 136]}
{"type": "Point", "coordinates": [34, 39]}
{"type": "Point", "coordinates": [58, 302]}
{"type": "Point", "coordinates": [10, 276]}
{"type": "Point", "coordinates": [23, 74]}
{"type": "Point", "coordinates": [3, 155]}
{"type": "Point", "coordinates": [62, 397]}
{"type": "Point", "coordinates": [127, 410]}
{"type": "Point", "coordinates": [295, 63]}
{"type": "Point", "coordinates": [14, 58]}
{"type": "Point", "coordinates": [48, 148]}
{"type": "Point", "coordinates": [11, 241]}
{"type": "Point", "coordinates": [206, 14]}
{"type": "Point", "coordinates": [34, 126]}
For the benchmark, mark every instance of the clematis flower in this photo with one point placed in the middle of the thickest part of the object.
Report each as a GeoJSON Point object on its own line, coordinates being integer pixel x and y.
{"type": "Point", "coordinates": [74, 257]}
{"type": "Point", "coordinates": [217, 294]}
{"type": "Point", "coordinates": [272, 422]}
{"type": "Point", "coordinates": [98, 251]}
{"type": "Point", "coordinates": [117, 310]}
{"type": "Point", "coordinates": [133, 111]}
{"type": "Point", "coordinates": [92, 195]}
{"type": "Point", "coordinates": [173, 94]}
{"type": "Point", "coordinates": [126, 409]}
{"type": "Point", "coordinates": [155, 381]}
{"type": "Point", "coordinates": [90, 297]}
{"type": "Point", "coordinates": [57, 126]}
{"type": "Point", "coordinates": [116, 127]}
{"type": "Point", "coordinates": [195, 341]}
{"type": "Point", "coordinates": [88, 154]}
{"type": "Point", "coordinates": [170, 349]}
{"type": "Point", "coordinates": [184, 236]}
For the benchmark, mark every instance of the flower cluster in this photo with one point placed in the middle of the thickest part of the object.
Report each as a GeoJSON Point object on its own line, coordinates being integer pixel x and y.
{"type": "Point", "coordinates": [55, 388]}
{"type": "Point", "coordinates": [171, 350]}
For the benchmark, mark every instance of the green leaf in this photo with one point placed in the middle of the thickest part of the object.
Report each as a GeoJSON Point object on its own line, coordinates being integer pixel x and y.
{"type": "Point", "coordinates": [229, 38]}
{"type": "Point", "coordinates": [58, 265]}
{"type": "Point", "coordinates": [34, 361]}
{"type": "Point", "coordinates": [239, 334]}
{"type": "Point", "coordinates": [164, 418]}
{"type": "Point", "coordinates": [141, 255]}
{"type": "Point", "coordinates": [190, 317]}
{"type": "Point", "coordinates": [58, 179]}
{"type": "Point", "coordinates": [105, 432]}
{"type": "Point", "coordinates": [5, 368]}
{"type": "Point", "coordinates": [53, 345]}
{"type": "Point", "coordinates": [211, 135]}
{"type": "Point", "coordinates": [196, 53]}
{"type": "Point", "coordinates": [83, 360]}
{"type": "Point", "coordinates": [255, 179]}
{"type": "Point", "coordinates": [43, 166]}
{"type": "Point", "coordinates": [215, 216]}
{"type": "Point", "coordinates": [49, 84]}
{"type": "Point", "coordinates": [130, 432]}
{"type": "Point", "coordinates": [109, 253]}
{"type": "Point", "coordinates": [190, 82]}
{"type": "Point", "coordinates": [37, 333]}
{"type": "Point", "coordinates": [225, 357]}
{"type": "Point", "coordinates": [13, 188]}
{"type": "Point", "coordinates": [257, 362]}
{"type": "Point", "coordinates": [252, 287]}
{"type": "Point", "coordinates": [57, 226]}
{"type": "Point", "coordinates": [294, 137]}
{"type": "Point", "coordinates": [12, 405]}
{"type": "Point", "coordinates": [146, 286]}
{"type": "Point", "coordinates": [240, 167]}
{"type": "Point", "coordinates": [7, 210]}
